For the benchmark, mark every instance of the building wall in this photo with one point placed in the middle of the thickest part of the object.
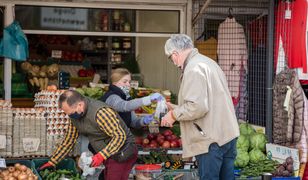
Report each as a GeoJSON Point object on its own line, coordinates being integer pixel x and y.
{"type": "Point", "coordinates": [158, 72]}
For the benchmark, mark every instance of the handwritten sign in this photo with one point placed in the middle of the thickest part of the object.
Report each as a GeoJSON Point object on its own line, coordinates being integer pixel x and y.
{"type": "Point", "coordinates": [280, 153]}
{"type": "Point", "coordinates": [2, 163]}
{"type": "Point", "coordinates": [2, 142]}
{"type": "Point", "coordinates": [30, 144]}
{"type": "Point", "coordinates": [64, 18]}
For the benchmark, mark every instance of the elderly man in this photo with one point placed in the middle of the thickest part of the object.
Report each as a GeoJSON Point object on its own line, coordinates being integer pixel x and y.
{"type": "Point", "coordinates": [109, 136]}
{"type": "Point", "coordinates": [205, 111]}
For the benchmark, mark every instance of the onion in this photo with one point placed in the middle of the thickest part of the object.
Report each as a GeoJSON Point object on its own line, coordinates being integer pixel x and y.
{"type": "Point", "coordinates": [29, 171]}
{"type": "Point", "coordinates": [5, 173]}
{"type": "Point", "coordinates": [16, 173]}
{"type": "Point", "coordinates": [17, 166]}
{"type": "Point", "coordinates": [22, 176]}
{"type": "Point", "coordinates": [11, 169]}
{"type": "Point", "coordinates": [23, 168]}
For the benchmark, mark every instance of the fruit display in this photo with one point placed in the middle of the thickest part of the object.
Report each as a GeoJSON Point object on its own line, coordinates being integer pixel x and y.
{"type": "Point", "coordinates": [285, 169]}
{"type": "Point", "coordinates": [164, 140]}
{"type": "Point", "coordinates": [17, 172]}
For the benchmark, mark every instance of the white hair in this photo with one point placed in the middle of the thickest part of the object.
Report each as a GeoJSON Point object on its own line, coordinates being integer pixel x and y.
{"type": "Point", "coordinates": [178, 42]}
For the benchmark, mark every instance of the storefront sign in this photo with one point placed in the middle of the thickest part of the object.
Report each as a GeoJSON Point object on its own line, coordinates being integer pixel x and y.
{"type": "Point", "coordinates": [2, 142]}
{"type": "Point", "coordinates": [30, 144]}
{"type": "Point", "coordinates": [64, 18]}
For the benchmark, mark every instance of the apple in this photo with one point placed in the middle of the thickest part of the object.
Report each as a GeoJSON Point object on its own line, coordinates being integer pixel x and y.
{"type": "Point", "coordinates": [174, 137]}
{"type": "Point", "coordinates": [179, 142]}
{"type": "Point", "coordinates": [153, 144]}
{"type": "Point", "coordinates": [160, 141]}
{"type": "Point", "coordinates": [173, 144]}
{"type": "Point", "coordinates": [167, 132]}
{"type": "Point", "coordinates": [138, 140]}
{"type": "Point", "coordinates": [166, 144]}
{"type": "Point", "coordinates": [168, 138]}
{"type": "Point", "coordinates": [151, 136]}
{"type": "Point", "coordinates": [145, 141]}
{"type": "Point", "coordinates": [160, 136]}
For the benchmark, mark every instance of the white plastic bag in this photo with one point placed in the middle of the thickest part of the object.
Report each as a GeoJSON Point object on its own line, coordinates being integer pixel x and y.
{"type": "Point", "coordinates": [84, 163]}
{"type": "Point", "coordinates": [161, 109]}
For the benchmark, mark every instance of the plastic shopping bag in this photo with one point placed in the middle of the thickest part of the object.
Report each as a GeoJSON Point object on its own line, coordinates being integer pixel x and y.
{"type": "Point", "coordinates": [84, 163]}
{"type": "Point", "coordinates": [160, 111]}
{"type": "Point", "coordinates": [14, 43]}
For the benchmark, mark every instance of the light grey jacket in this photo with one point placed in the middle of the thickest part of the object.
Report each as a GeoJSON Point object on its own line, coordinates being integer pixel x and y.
{"type": "Point", "coordinates": [204, 99]}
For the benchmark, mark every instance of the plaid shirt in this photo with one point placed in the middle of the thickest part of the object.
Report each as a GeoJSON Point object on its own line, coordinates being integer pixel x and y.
{"type": "Point", "coordinates": [108, 122]}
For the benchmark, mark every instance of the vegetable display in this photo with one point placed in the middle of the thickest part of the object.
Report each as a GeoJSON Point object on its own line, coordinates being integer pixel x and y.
{"type": "Point", "coordinates": [60, 173]}
{"type": "Point", "coordinates": [17, 172]}
{"type": "Point", "coordinates": [258, 168]}
{"type": "Point", "coordinates": [258, 141]}
{"type": "Point", "coordinates": [40, 76]}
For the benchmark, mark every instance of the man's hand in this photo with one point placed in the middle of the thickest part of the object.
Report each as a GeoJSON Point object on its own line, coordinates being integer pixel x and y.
{"type": "Point", "coordinates": [168, 120]}
{"type": "Point", "coordinates": [170, 106]}
{"type": "Point", "coordinates": [97, 160]}
{"type": "Point", "coordinates": [46, 166]}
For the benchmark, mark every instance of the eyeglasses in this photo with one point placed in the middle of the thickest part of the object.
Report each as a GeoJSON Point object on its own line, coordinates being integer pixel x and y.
{"type": "Point", "coordinates": [170, 57]}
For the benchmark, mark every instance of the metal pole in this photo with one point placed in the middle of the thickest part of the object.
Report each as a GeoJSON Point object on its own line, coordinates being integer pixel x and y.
{"type": "Point", "coordinates": [270, 71]}
{"type": "Point", "coordinates": [8, 19]}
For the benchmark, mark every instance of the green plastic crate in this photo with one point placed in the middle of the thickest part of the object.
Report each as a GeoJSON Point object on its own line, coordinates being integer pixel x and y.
{"type": "Point", "coordinates": [67, 163]}
{"type": "Point", "coordinates": [28, 163]}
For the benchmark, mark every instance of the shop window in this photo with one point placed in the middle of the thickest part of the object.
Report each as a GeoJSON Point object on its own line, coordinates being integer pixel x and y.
{"type": "Point", "coordinates": [96, 20]}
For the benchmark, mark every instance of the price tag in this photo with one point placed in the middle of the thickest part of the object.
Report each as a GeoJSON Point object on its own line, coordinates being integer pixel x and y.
{"type": "Point", "coordinates": [30, 144]}
{"type": "Point", "coordinates": [2, 163]}
{"type": "Point", "coordinates": [56, 54]}
{"type": "Point", "coordinates": [2, 142]}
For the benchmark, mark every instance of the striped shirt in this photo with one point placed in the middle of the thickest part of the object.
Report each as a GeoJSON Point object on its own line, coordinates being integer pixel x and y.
{"type": "Point", "coordinates": [108, 122]}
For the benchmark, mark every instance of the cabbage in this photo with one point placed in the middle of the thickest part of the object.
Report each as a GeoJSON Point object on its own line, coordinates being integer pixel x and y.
{"type": "Point", "coordinates": [242, 143]}
{"type": "Point", "coordinates": [80, 91]}
{"type": "Point", "coordinates": [95, 92]}
{"type": "Point", "coordinates": [246, 129]}
{"type": "Point", "coordinates": [242, 159]}
{"type": "Point", "coordinates": [256, 155]}
{"type": "Point", "coordinates": [258, 141]}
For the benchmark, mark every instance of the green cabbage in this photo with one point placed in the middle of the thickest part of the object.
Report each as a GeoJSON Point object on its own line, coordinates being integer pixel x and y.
{"type": "Point", "coordinates": [242, 143]}
{"type": "Point", "coordinates": [80, 91]}
{"type": "Point", "coordinates": [242, 159]}
{"type": "Point", "coordinates": [256, 155]}
{"type": "Point", "coordinates": [258, 141]}
{"type": "Point", "coordinates": [246, 129]}
{"type": "Point", "coordinates": [94, 93]}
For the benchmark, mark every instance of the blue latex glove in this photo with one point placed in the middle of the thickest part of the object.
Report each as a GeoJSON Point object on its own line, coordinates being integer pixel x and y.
{"type": "Point", "coordinates": [156, 97]}
{"type": "Point", "coordinates": [147, 119]}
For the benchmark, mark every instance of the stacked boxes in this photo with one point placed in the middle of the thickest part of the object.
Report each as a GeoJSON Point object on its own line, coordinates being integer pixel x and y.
{"type": "Point", "coordinates": [57, 120]}
{"type": "Point", "coordinates": [6, 128]}
{"type": "Point", "coordinates": [29, 138]}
